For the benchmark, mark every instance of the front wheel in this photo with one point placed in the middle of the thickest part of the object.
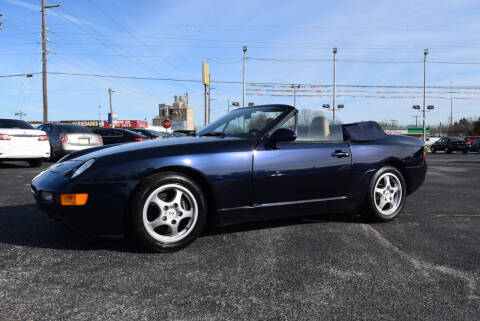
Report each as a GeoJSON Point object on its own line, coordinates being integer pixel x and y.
{"type": "Point", "coordinates": [432, 149]}
{"type": "Point", "coordinates": [448, 150]}
{"type": "Point", "coordinates": [386, 195]}
{"type": "Point", "coordinates": [169, 211]}
{"type": "Point", "coordinates": [464, 151]}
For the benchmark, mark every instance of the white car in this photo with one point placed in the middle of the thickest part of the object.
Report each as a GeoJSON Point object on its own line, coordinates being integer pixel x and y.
{"type": "Point", "coordinates": [20, 141]}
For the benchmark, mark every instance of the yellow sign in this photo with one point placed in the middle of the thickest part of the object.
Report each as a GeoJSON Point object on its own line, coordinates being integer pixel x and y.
{"type": "Point", "coordinates": [205, 73]}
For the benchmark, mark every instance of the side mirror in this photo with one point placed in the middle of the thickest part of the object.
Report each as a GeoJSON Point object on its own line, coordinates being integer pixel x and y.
{"type": "Point", "coordinates": [282, 135]}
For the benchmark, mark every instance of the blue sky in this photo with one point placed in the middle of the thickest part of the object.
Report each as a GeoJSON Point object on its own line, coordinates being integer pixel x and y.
{"type": "Point", "coordinates": [169, 39]}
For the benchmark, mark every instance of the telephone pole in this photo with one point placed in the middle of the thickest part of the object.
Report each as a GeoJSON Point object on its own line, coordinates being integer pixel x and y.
{"type": "Point", "coordinates": [244, 48]}
{"type": "Point", "coordinates": [110, 91]}
{"type": "Point", "coordinates": [334, 82]}
{"type": "Point", "coordinates": [416, 120]}
{"type": "Point", "coordinates": [44, 60]}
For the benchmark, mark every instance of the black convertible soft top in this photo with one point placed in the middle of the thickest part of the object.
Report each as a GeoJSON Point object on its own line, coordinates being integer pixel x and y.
{"type": "Point", "coordinates": [363, 131]}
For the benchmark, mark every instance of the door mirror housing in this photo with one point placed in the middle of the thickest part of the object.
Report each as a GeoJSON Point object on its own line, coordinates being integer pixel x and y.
{"type": "Point", "coordinates": [281, 135]}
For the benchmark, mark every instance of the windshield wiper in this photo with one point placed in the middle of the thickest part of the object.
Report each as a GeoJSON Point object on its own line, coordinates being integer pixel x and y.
{"type": "Point", "coordinates": [216, 134]}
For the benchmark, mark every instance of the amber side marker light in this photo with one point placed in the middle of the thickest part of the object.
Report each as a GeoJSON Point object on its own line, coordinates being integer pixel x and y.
{"type": "Point", "coordinates": [73, 199]}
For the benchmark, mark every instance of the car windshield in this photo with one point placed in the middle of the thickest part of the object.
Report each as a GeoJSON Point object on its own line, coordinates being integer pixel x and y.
{"type": "Point", "coordinates": [244, 122]}
{"type": "Point", "coordinates": [74, 129]}
{"type": "Point", "coordinates": [14, 124]}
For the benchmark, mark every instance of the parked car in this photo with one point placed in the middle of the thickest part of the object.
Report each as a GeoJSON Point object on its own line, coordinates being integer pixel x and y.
{"type": "Point", "coordinates": [67, 138]}
{"type": "Point", "coordinates": [184, 132]}
{"type": "Point", "coordinates": [20, 141]}
{"type": "Point", "coordinates": [151, 134]}
{"type": "Point", "coordinates": [248, 165]}
{"type": "Point", "coordinates": [475, 147]}
{"type": "Point", "coordinates": [469, 140]}
{"type": "Point", "coordinates": [449, 145]}
{"type": "Point", "coordinates": [118, 135]}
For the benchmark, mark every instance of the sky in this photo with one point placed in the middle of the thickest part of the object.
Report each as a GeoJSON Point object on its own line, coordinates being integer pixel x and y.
{"type": "Point", "coordinates": [380, 43]}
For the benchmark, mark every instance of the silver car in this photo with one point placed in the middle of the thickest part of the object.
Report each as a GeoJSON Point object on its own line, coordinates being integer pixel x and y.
{"type": "Point", "coordinates": [68, 138]}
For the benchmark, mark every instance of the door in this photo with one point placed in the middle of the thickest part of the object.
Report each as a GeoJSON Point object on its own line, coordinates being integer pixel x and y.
{"type": "Point", "coordinates": [314, 168]}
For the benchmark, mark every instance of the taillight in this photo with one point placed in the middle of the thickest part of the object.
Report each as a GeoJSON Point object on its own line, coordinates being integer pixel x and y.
{"type": "Point", "coordinates": [138, 139]}
{"type": "Point", "coordinates": [425, 154]}
{"type": "Point", "coordinates": [43, 138]}
{"type": "Point", "coordinates": [100, 140]}
{"type": "Point", "coordinates": [63, 138]}
{"type": "Point", "coordinates": [5, 137]}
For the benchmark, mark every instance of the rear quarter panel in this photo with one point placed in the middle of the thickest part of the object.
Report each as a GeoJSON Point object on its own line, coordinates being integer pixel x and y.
{"type": "Point", "coordinates": [403, 152]}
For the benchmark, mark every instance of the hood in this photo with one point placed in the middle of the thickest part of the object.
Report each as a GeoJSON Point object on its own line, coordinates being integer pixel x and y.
{"type": "Point", "coordinates": [163, 147]}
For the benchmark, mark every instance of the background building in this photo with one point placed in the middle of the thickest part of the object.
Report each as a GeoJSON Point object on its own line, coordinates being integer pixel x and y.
{"type": "Point", "coordinates": [179, 113]}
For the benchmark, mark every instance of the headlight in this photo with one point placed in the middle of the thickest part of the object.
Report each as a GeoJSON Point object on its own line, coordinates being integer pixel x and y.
{"type": "Point", "coordinates": [83, 168]}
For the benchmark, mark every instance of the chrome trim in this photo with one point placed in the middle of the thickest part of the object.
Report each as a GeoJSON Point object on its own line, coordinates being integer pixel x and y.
{"type": "Point", "coordinates": [285, 203]}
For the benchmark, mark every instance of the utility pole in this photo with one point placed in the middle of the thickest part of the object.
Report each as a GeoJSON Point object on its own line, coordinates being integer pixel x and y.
{"type": "Point", "coordinates": [416, 120]}
{"type": "Point", "coordinates": [99, 114]}
{"type": "Point", "coordinates": [425, 53]}
{"type": "Point", "coordinates": [209, 99]}
{"type": "Point", "coordinates": [110, 91]}
{"type": "Point", "coordinates": [295, 95]}
{"type": "Point", "coordinates": [244, 48]}
{"type": "Point", "coordinates": [334, 82]}
{"type": "Point", "coordinates": [451, 111]}
{"type": "Point", "coordinates": [44, 60]}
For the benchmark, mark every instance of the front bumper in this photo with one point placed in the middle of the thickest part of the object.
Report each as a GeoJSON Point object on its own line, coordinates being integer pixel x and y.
{"type": "Point", "coordinates": [102, 215]}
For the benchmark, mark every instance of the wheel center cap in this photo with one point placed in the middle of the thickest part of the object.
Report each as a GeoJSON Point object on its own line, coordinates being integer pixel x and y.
{"type": "Point", "coordinates": [172, 212]}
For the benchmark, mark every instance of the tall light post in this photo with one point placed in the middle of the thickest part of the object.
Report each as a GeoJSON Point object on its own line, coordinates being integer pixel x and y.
{"type": "Point", "coordinates": [334, 82]}
{"type": "Point", "coordinates": [295, 95]}
{"type": "Point", "coordinates": [44, 59]}
{"type": "Point", "coordinates": [425, 53]}
{"type": "Point", "coordinates": [244, 48]}
{"type": "Point", "coordinates": [110, 91]}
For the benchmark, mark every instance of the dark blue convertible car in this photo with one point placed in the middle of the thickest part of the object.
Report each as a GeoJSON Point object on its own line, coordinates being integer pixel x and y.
{"type": "Point", "coordinates": [252, 164]}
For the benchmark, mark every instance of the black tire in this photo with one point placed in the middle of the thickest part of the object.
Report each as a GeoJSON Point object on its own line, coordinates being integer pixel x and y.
{"type": "Point", "coordinates": [370, 210]}
{"type": "Point", "coordinates": [464, 151]}
{"type": "Point", "coordinates": [448, 150]}
{"type": "Point", "coordinates": [35, 162]}
{"type": "Point", "coordinates": [432, 149]}
{"type": "Point", "coordinates": [136, 229]}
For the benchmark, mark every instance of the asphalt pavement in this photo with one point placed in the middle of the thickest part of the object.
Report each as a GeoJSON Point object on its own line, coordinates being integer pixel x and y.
{"type": "Point", "coordinates": [422, 266]}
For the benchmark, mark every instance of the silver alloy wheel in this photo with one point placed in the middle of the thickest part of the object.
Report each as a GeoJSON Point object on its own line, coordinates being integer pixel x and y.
{"type": "Point", "coordinates": [170, 213]}
{"type": "Point", "coordinates": [388, 194]}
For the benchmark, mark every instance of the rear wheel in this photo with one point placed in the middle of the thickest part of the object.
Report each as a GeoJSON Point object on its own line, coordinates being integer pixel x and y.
{"type": "Point", "coordinates": [169, 211]}
{"type": "Point", "coordinates": [386, 196]}
{"type": "Point", "coordinates": [35, 162]}
{"type": "Point", "coordinates": [448, 150]}
{"type": "Point", "coordinates": [432, 149]}
{"type": "Point", "coordinates": [464, 151]}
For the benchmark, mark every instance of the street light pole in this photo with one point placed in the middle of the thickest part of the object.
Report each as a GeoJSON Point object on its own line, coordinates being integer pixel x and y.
{"type": "Point", "coordinates": [451, 111]}
{"type": "Point", "coordinates": [44, 60]}
{"type": "Point", "coordinates": [110, 91]}
{"type": "Point", "coordinates": [425, 53]}
{"type": "Point", "coordinates": [334, 81]}
{"type": "Point", "coordinates": [295, 95]}
{"type": "Point", "coordinates": [244, 48]}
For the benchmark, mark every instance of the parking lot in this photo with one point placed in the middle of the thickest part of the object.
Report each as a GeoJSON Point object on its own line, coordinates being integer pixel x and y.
{"type": "Point", "coordinates": [424, 265]}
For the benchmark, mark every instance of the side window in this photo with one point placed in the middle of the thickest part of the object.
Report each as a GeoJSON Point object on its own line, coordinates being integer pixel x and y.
{"type": "Point", "coordinates": [314, 127]}
{"type": "Point", "coordinates": [116, 133]}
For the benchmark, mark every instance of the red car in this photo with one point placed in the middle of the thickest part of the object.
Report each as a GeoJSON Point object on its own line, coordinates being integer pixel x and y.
{"type": "Point", "coordinates": [469, 140]}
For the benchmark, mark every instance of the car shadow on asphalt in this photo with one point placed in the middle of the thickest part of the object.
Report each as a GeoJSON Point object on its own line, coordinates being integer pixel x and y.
{"type": "Point", "coordinates": [26, 225]}
{"type": "Point", "coordinates": [14, 165]}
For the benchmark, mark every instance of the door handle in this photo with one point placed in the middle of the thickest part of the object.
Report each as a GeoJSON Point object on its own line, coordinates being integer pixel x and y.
{"type": "Point", "coordinates": [340, 154]}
